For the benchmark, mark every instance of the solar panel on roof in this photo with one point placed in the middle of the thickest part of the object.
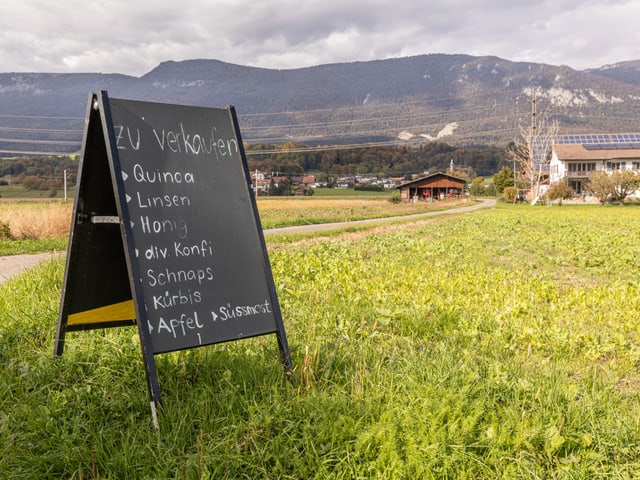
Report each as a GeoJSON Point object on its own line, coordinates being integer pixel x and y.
{"type": "Point", "coordinates": [599, 139]}
{"type": "Point", "coordinates": [593, 141]}
{"type": "Point", "coordinates": [611, 146]}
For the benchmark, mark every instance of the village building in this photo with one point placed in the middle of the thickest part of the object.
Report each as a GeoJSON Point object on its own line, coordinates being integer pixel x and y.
{"type": "Point", "coordinates": [260, 181]}
{"type": "Point", "coordinates": [436, 186]}
{"type": "Point", "coordinates": [574, 162]}
{"type": "Point", "coordinates": [304, 180]}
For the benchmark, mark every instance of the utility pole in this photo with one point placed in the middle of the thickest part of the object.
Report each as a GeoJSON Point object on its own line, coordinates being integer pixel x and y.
{"type": "Point", "coordinates": [533, 112]}
{"type": "Point", "coordinates": [532, 136]}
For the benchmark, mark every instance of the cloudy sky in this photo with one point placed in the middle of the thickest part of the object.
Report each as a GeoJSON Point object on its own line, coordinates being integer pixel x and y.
{"type": "Point", "coordinates": [133, 36]}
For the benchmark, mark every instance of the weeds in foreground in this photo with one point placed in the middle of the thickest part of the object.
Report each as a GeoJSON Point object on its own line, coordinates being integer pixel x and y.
{"type": "Point", "coordinates": [501, 344]}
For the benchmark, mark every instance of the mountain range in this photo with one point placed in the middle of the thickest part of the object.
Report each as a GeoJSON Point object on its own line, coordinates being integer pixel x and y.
{"type": "Point", "coordinates": [460, 99]}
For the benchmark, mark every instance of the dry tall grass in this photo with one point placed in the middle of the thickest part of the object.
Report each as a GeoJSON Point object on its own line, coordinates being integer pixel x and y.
{"type": "Point", "coordinates": [37, 220]}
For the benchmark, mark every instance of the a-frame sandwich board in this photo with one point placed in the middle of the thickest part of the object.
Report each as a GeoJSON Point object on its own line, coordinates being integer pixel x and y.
{"type": "Point", "coordinates": [165, 233]}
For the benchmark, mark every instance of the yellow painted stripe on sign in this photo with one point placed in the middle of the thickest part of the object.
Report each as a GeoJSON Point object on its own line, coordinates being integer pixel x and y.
{"type": "Point", "coordinates": [109, 313]}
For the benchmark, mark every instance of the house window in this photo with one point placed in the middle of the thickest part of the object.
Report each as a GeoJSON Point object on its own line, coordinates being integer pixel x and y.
{"type": "Point", "coordinates": [581, 169]}
{"type": "Point", "coordinates": [635, 165]}
{"type": "Point", "coordinates": [616, 165]}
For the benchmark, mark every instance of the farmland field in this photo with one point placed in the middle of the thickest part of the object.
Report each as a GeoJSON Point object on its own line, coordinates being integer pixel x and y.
{"type": "Point", "coordinates": [19, 192]}
{"type": "Point", "coordinates": [283, 212]}
{"type": "Point", "coordinates": [498, 344]}
{"type": "Point", "coordinates": [23, 222]}
{"type": "Point", "coordinates": [28, 226]}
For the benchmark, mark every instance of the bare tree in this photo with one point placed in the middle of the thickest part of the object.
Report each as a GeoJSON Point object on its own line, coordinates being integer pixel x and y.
{"type": "Point", "coordinates": [531, 153]}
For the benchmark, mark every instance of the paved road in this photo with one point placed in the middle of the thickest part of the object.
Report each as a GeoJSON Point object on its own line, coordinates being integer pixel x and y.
{"type": "Point", "coordinates": [16, 264]}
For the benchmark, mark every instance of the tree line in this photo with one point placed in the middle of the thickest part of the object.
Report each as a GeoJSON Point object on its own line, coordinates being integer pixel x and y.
{"type": "Point", "coordinates": [42, 173]}
{"type": "Point", "coordinates": [38, 173]}
{"type": "Point", "coordinates": [380, 161]}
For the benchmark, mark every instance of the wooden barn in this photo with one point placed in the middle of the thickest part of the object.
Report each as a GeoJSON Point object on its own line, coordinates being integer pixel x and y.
{"type": "Point", "coordinates": [436, 186]}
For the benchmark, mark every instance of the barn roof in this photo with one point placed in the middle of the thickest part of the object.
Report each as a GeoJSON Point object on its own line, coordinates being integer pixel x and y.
{"type": "Point", "coordinates": [433, 177]}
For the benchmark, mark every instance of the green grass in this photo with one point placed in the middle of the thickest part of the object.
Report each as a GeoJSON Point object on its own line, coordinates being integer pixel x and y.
{"type": "Point", "coordinates": [18, 247]}
{"type": "Point", "coordinates": [19, 192]}
{"type": "Point", "coordinates": [296, 211]}
{"type": "Point", "coordinates": [497, 344]}
{"type": "Point", "coordinates": [350, 192]}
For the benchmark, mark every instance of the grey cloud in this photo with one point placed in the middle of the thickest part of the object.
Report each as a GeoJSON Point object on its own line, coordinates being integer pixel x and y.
{"type": "Point", "coordinates": [134, 36]}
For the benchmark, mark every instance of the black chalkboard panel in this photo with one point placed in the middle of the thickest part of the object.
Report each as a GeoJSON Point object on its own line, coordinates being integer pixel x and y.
{"type": "Point", "coordinates": [197, 256]}
{"type": "Point", "coordinates": [165, 232]}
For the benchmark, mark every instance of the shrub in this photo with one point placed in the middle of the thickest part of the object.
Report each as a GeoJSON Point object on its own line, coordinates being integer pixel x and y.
{"type": "Point", "coordinates": [368, 188]}
{"type": "Point", "coordinates": [510, 194]}
{"type": "Point", "coordinates": [559, 191]}
{"type": "Point", "coordinates": [477, 189]}
{"type": "Point", "coordinates": [5, 231]}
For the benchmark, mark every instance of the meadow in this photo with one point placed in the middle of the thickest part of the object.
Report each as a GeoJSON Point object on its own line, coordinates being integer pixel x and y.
{"type": "Point", "coordinates": [496, 344]}
{"type": "Point", "coordinates": [29, 226]}
{"type": "Point", "coordinates": [291, 211]}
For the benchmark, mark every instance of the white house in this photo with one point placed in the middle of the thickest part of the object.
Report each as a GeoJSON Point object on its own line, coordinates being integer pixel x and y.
{"type": "Point", "coordinates": [574, 163]}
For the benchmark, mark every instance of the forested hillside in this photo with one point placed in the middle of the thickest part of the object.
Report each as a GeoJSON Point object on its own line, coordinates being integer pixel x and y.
{"type": "Point", "coordinates": [379, 161]}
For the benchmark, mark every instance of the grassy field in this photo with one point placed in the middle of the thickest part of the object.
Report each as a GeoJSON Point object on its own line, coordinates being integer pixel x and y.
{"type": "Point", "coordinates": [284, 212]}
{"type": "Point", "coordinates": [18, 192]}
{"type": "Point", "coordinates": [349, 192]}
{"type": "Point", "coordinates": [29, 226]}
{"type": "Point", "coordinates": [498, 344]}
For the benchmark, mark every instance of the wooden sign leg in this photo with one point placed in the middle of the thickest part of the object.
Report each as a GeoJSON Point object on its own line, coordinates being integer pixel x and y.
{"type": "Point", "coordinates": [285, 355]}
{"type": "Point", "coordinates": [154, 415]}
{"type": "Point", "coordinates": [152, 383]}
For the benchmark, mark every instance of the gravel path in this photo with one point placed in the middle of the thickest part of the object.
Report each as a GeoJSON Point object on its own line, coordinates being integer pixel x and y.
{"type": "Point", "coordinates": [484, 203]}
{"type": "Point", "coordinates": [15, 264]}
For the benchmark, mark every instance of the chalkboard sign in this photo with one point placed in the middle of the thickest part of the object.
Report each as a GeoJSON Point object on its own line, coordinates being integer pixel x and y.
{"type": "Point", "coordinates": [166, 232]}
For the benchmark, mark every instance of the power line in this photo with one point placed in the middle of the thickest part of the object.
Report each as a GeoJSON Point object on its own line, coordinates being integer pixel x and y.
{"type": "Point", "coordinates": [306, 125]}
{"type": "Point", "coordinates": [39, 142]}
{"type": "Point", "coordinates": [40, 117]}
{"type": "Point", "coordinates": [43, 153]}
{"type": "Point", "coordinates": [40, 130]}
